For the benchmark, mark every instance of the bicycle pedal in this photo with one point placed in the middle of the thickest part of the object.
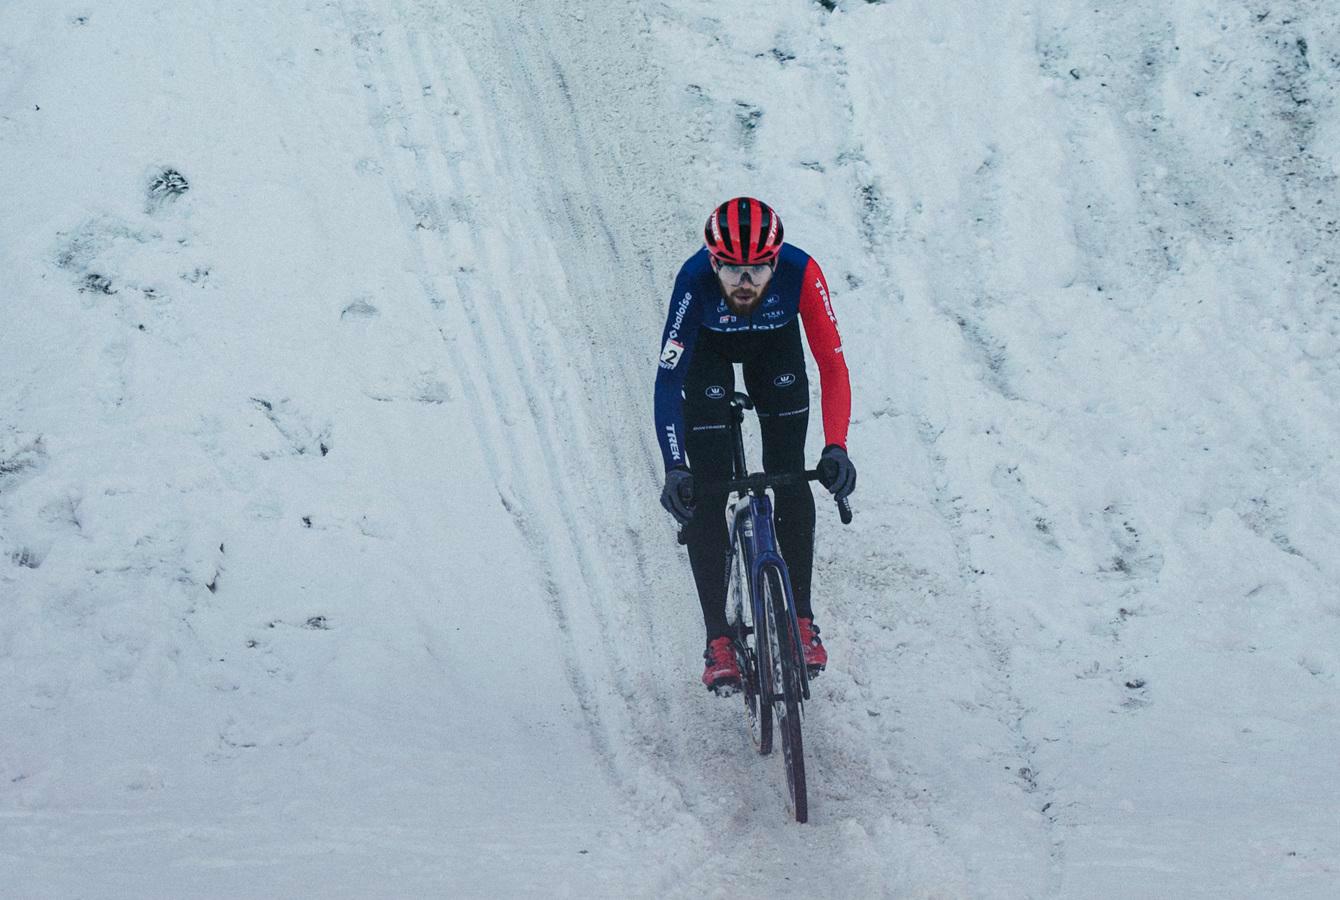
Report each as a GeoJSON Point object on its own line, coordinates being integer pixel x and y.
{"type": "Point", "coordinates": [725, 688]}
{"type": "Point", "coordinates": [814, 671]}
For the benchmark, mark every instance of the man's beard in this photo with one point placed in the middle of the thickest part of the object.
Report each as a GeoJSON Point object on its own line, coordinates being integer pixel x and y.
{"type": "Point", "coordinates": [743, 307]}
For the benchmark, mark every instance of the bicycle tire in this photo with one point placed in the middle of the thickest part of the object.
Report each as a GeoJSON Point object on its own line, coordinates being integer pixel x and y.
{"type": "Point", "coordinates": [758, 711]}
{"type": "Point", "coordinates": [786, 667]}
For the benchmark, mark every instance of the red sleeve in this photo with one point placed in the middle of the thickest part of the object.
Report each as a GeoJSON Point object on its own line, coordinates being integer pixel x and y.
{"type": "Point", "coordinates": [816, 313]}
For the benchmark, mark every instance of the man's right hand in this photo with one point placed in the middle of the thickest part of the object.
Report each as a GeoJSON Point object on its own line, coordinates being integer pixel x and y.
{"type": "Point", "coordinates": [677, 497]}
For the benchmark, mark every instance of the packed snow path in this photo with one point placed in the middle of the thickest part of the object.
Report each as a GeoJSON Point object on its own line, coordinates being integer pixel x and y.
{"type": "Point", "coordinates": [330, 557]}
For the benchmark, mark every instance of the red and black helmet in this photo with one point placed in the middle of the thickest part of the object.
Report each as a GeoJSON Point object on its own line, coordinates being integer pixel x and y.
{"type": "Point", "coordinates": [743, 232]}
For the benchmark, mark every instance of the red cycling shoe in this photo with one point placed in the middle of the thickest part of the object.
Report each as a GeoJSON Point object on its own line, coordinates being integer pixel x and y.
{"type": "Point", "coordinates": [816, 657]}
{"type": "Point", "coordinates": [722, 673]}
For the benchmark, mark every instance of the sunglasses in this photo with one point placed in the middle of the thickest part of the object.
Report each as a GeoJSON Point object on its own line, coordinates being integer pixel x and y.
{"type": "Point", "coordinates": [736, 274]}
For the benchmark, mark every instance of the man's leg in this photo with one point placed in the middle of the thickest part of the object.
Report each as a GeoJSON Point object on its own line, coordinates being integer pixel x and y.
{"type": "Point", "coordinates": [707, 391]}
{"type": "Point", "coordinates": [776, 380]}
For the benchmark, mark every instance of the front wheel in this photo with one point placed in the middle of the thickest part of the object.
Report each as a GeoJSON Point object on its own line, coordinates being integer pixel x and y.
{"type": "Point", "coordinates": [786, 667]}
{"type": "Point", "coordinates": [752, 652]}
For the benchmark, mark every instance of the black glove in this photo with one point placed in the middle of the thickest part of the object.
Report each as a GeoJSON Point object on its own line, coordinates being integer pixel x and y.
{"type": "Point", "coordinates": [677, 497]}
{"type": "Point", "coordinates": [837, 472]}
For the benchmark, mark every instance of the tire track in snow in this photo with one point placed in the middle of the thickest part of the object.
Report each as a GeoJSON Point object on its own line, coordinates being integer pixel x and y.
{"type": "Point", "coordinates": [562, 448]}
{"type": "Point", "coordinates": [668, 729]}
{"type": "Point", "coordinates": [658, 732]}
{"type": "Point", "coordinates": [495, 362]}
{"type": "Point", "coordinates": [480, 362]}
{"type": "Point", "coordinates": [650, 686]}
{"type": "Point", "coordinates": [422, 214]}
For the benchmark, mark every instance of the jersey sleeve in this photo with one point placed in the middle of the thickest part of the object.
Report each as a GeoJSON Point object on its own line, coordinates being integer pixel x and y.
{"type": "Point", "coordinates": [821, 330]}
{"type": "Point", "coordinates": [677, 340]}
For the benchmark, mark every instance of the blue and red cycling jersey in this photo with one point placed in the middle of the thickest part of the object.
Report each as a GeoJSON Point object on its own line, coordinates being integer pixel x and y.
{"type": "Point", "coordinates": [797, 288]}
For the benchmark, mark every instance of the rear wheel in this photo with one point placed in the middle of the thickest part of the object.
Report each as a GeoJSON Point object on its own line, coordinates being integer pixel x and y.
{"type": "Point", "coordinates": [787, 675]}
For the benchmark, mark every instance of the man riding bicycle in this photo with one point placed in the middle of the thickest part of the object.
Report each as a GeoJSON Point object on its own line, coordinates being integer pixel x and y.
{"type": "Point", "coordinates": [738, 300]}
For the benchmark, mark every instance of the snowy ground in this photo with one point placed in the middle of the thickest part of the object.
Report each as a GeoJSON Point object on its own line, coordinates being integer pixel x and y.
{"type": "Point", "coordinates": [330, 556]}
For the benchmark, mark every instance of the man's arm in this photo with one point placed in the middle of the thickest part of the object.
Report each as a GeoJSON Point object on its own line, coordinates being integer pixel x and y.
{"type": "Point", "coordinates": [677, 340]}
{"type": "Point", "coordinates": [821, 330]}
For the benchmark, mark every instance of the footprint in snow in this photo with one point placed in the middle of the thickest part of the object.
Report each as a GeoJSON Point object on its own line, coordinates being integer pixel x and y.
{"type": "Point", "coordinates": [304, 437]}
{"type": "Point", "coordinates": [164, 186]}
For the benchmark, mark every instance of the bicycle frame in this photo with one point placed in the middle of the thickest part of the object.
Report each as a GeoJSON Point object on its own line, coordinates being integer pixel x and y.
{"type": "Point", "coordinates": [751, 523]}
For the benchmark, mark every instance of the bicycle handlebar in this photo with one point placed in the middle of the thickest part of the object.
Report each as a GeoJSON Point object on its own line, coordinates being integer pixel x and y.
{"type": "Point", "coordinates": [758, 481]}
{"type": "Point", "coordinates": [761, 481]}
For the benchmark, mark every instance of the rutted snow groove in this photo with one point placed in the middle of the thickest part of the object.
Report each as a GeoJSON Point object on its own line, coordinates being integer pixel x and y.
{"type": "Point", "coordinates": [495, 365]}
{"type": "Point", "coordinates": [592, 441]}
{"type": "Point", "coordinates": [487, 356]}
{"type": "Point", "coordinates": [550, 384]}
{"type": "Point", "coordinates": [652, 692]}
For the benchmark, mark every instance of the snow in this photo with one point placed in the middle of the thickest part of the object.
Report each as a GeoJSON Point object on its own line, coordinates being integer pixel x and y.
{"type": "Point", "coordinates": [330, 556]}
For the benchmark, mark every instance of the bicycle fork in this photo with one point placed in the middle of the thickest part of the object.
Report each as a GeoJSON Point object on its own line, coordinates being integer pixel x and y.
{"type": "Point", "coordinates": [752, 517]}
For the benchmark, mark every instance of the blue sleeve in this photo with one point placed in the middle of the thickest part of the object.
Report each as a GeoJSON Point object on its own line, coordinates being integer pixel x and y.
{"type": "Point", "coordinates": [677, 340]}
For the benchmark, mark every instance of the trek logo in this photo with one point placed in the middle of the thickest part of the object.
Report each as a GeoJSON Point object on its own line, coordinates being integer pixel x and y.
{"type": "Point", "coordinates": [828, 304]}
{"type": "Point", "coordinates": [673, 439]}
{"type": "Point", "coordinates": [773, 314]}
{"type": "Point", "coordinates": [715, 392]}
{"type": "Point", "coordinates": [784, 380]}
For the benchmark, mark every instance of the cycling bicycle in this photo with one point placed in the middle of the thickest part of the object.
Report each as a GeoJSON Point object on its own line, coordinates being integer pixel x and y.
{"type": "Point", "coordinates": [761, 610]}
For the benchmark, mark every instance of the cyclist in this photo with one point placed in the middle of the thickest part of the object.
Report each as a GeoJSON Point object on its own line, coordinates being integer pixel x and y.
{"type": "Point", "coordinates": [741, 299]}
